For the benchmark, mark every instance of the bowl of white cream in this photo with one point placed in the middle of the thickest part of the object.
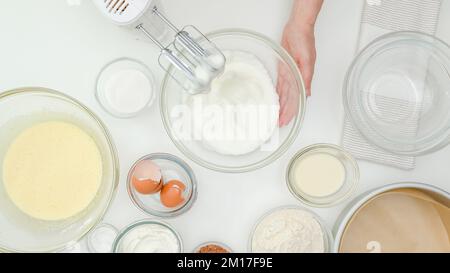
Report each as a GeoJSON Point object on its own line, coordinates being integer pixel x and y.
{"type": "Point", "coordinates": [234, 126]}
{"type": "Point", "coordinates": [148, 236]}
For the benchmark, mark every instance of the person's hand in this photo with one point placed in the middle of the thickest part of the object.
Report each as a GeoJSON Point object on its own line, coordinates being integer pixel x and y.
{"type": "Point", "coordinates": [299, 41]}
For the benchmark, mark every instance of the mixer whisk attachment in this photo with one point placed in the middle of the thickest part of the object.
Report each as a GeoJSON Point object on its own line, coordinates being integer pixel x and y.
{"type": "Point", "coordinates": [191, 59]}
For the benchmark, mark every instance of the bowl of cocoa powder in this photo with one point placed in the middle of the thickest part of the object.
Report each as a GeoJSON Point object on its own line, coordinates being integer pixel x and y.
{"type": "Point", "coordinates": [212, 247]}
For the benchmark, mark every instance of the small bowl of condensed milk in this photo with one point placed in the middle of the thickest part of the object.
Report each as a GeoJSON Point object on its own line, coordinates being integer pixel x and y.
{"type": "Point", "coordinates": [322, 175]}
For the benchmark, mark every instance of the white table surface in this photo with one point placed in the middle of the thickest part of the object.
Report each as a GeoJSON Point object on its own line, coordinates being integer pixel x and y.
{"type": "Point", "coordinates": [63, 44]}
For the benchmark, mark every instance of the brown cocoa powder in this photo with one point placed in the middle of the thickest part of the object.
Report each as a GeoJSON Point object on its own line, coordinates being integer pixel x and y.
{"type": "Point", "coordinates": [211, 248]}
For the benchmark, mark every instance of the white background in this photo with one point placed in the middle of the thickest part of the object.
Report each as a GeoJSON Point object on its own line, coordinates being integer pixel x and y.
{"type": "Point", "coordinates": [52, 44]}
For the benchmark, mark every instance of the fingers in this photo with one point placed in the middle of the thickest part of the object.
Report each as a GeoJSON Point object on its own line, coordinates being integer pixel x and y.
{"type": "Point", "coordinates": [288, 95]}
{"type": "Point", "coordinates": [281, 84]}
{"type": "Point", "coordinates": [302, 49]}
{"type": "Point", "coordinates": [306, 63]}
{"type": "Point", "coordinates": [301, 45]}
{"type": "Point", "coordinates": [307, 74]}
{"type": "Point", "coordinates": [283, 89]}
{"type": "Point", "coordinates": [286, 117]}
{"type": "Point", "coordinates": [290, 110]}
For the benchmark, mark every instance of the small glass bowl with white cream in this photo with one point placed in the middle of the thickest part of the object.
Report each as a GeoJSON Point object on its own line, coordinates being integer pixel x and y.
{"type": "Point", "coordinates": [322, 175]}
{"type": "Point", "coordinates": [177, 189]}
{"type": "Point", "coordinates": [148, 236]}
{"type": "Point", "coordinates": [125, 87]}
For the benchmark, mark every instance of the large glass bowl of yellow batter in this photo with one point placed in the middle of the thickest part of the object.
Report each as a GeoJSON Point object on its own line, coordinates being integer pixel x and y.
{"type": "Point", "coordinates": [21, 109]}
{"type": "Point", "coordinates": [275, 59]}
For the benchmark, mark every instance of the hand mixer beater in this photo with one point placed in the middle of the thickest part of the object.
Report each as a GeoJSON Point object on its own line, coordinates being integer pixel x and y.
{"type": "Point", "coordinates": [190, 59]}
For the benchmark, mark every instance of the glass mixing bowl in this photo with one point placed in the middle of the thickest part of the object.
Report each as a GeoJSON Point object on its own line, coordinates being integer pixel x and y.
{"type": "Point", "coordinates": [20, 109]}
{"type": "Point", "coordinates": [275, 59]}
{"type": "Point", "coordinates": [397, 93]}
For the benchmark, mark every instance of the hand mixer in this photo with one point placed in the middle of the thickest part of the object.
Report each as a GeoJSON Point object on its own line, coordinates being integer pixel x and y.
{"type": "Point", "coordinates": [190, 59]}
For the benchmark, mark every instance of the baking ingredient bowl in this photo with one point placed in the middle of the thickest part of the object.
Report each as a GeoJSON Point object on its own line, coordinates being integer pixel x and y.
{"type": "Point", "coordinates": [300, 235]}
{"type": "Point", "coordinates": [101, 238]}
{"type": "Point", "coordinates": [396, 93]}
{"type": "Point", "coordinates": [275, 59]}
{"type": "Point", "coordinates": [125, 87]}
{"type": "Point", "coordinates": [390, 238]}
{"type": "Point", "coordinates": [140, 239]}
{"type": "Point", "coordinates": [20, 109]}
{"type": "Point", "coordinates": [350, 178]}
{"type": "Point", "coordinates": [213, 247]}
{"type": "Point", "coordinates": [172, 168]}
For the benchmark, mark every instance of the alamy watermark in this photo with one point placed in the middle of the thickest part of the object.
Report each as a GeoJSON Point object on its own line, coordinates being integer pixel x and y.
{"type": "Point", "coordinates": [197, 121]}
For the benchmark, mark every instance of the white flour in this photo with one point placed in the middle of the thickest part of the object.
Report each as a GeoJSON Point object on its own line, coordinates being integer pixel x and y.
{"type": "Point", "coordinates": [240, 113]}
{"type": "Point", "coordinates": [288, 230]}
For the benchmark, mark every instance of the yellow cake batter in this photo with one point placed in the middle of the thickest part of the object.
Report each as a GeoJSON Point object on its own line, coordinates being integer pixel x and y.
{"type": "Point", "coordinates": [52, 170]}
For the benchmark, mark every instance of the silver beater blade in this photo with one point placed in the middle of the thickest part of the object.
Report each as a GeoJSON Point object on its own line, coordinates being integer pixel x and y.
{"type": "Point", "coordinates": [192, 60]}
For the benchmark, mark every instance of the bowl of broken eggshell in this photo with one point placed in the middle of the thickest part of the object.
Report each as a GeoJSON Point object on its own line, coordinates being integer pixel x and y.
{"type": "Point", "coordinates": [162, 185]}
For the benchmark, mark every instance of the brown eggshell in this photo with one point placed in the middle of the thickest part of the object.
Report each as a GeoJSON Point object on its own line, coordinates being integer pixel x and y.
{"type": "Point", "coordinates": [147, 177]}
{"type": "Point", "coordinates": [172, 193]}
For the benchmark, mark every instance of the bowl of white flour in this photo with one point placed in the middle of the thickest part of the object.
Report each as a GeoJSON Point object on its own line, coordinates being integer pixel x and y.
{"type": "Point", "coordinates": [290, 229]}
{"type": "Point", "coordinates": [234, 126]}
